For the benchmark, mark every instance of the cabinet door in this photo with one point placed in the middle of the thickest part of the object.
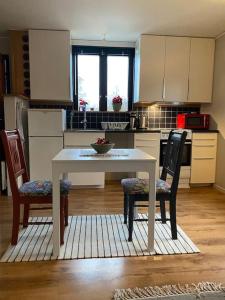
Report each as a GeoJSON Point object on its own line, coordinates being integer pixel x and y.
{"type": "Point", "coordinates": [203, 170]}
{"type": "Point", "coordinates": [201, 70]}
{"type": "Point", "coordinates": [152, 58]}
{"type": "Point", "coordinates": [82, 140]}
{"type": "Point", "coordinates": [150, 144]}
{"type": "Point", "coordinates": [176, 69]}
{"type": "Point", "coordinates": [203, 162]}
{"type": "Point", "coordinates": [49, 64]}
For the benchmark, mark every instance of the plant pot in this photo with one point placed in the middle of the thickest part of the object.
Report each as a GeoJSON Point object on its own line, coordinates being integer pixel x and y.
{"type": "Point", "coordinates": [117, 106]}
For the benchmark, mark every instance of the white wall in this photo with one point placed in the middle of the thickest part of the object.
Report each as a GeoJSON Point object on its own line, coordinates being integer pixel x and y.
{"type": "Point", "coordinates": [102, 43]}
{"type": "Point", "coordinates": [217, 109]}
{"type": "Point", "coordinates": [4, 45]}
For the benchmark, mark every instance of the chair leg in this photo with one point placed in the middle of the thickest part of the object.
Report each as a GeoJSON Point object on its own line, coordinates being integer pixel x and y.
{"type": "Point", "coordinates": [62, 226]}
{"type": "Point", "coordinates": [16, 223]}
{"type": "Point", "coordinates": [125, 207]}
{"type": "Point", "coordinates": [173, 219]}
{"type": "Point", "coordinates": [131, 219]}
{"type": "Point", "coordinates": [66, 211]}
{"type": "Point", "coordinates": [26, 215]}
{"type": "Point", "coordinates": [163, 211]}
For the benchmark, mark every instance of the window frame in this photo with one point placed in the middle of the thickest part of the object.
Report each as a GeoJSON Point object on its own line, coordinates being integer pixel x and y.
{"type": "Point", "coordinates": [103, 52]}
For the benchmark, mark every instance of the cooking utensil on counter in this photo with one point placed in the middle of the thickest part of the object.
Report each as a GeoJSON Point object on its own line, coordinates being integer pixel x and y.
{"type": "Point", "coordinates": [133, 120]}
{"type": "Point", "coordinates": [142, 121]}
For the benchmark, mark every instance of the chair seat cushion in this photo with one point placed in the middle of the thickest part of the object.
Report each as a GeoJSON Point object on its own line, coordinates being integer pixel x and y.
{"type": "Point", "coordinates": [43, 188]}
{"type": "Point", "coordinates": [140, 186]}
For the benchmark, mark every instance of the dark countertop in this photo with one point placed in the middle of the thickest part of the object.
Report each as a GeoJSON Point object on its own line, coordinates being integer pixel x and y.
{"type": "Point", "coordinates": [205, 131]}
{"type": "Point", "coordinates": [138, 130]}
{"type": "Point", "coordinates": [116, 130]}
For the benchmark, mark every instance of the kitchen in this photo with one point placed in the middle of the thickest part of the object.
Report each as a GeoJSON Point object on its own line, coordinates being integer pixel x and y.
{"type": "Point", "coordinates": [64, 93]}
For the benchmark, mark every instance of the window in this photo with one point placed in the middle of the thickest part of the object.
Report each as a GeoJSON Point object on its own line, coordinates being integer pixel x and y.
{"type": "Point", "coordinates": [88, 79]}
{"type": "Point", "coordinates": [100, 73]}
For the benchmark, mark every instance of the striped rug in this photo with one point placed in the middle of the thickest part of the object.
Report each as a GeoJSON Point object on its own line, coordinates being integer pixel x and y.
{"type": "Point", "coordinates": [96, 236]}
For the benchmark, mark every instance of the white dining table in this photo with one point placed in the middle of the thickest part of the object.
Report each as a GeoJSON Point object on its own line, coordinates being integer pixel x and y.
{"type": "Point", "coordinates": [86, 160]}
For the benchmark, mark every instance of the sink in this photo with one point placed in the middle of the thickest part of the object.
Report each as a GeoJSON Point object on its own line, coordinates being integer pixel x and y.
{"type": "Point", "coordinates": [114, 125]}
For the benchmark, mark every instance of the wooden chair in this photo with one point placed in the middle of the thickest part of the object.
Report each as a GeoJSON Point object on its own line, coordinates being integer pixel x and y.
{"type": "Point", "coordinates": [137, 189]}
{"type": "Point", "coordinates": [30, 192]}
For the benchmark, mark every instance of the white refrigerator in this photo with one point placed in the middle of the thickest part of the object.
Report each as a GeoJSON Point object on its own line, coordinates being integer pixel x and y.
{"type": "Point", "coordinates": [45, 127]}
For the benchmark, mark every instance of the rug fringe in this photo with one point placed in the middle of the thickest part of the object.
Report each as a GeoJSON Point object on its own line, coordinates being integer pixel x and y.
{"type": "Point", "coordinates": [168, 290]}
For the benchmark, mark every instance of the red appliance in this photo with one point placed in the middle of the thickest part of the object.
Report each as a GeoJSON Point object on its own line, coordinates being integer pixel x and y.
{"type": "Point", "coordinates": [193, 121]}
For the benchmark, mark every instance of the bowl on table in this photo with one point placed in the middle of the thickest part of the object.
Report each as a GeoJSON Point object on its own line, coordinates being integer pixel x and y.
{"type": "Point", "coordinates": [102, 148]}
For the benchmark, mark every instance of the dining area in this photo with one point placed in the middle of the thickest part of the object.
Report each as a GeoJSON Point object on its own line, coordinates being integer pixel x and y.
{"type": "Point", "coordinates": [137, 230]}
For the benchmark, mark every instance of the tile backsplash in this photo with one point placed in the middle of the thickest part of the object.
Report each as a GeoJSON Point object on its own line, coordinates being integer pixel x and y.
{"type": "Point", "coordinates": [159, 116]}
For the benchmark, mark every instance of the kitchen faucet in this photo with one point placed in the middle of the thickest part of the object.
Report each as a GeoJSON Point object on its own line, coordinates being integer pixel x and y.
{"type": "Point", "coordinates": [71, 117]}
{"type": "Point", "coordinates": [85, 119]}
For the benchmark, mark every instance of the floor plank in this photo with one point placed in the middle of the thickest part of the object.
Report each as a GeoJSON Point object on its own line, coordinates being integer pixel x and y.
{"type": "Point", "coordinates": [201, 213]}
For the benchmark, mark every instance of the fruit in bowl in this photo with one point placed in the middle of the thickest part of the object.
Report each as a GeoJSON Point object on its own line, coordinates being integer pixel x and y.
{"type": "Point", "coordinates": [102, 146]}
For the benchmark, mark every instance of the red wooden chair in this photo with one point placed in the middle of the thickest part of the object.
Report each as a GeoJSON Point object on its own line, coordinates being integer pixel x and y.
{"type": "Point", "coordinates": [30, 192]}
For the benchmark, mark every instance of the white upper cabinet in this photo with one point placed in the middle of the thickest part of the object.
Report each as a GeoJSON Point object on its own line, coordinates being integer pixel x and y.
{"type": "Point", "coordinates": [173, 69]}
{"type": "Point", "coordinates": [201, 70]}
{"type": "Point", "coordinates": [50, 65]}
{"type": "Point", "coordinates": [149, 68]}
{"type": "Point", "coordinates": [176, 69]}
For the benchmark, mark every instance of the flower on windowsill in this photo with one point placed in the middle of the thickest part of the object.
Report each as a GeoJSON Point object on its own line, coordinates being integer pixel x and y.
{"type": "Point", "coordinates": [117, 100]}
{"type": "Point", "coordinates": [83, 104]}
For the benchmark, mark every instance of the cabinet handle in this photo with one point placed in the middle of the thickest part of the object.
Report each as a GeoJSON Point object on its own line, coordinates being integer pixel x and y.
{"type": "Point", "coordinates": [164, 89]}
{"type": "Point", "coordinates": [140, 140]}
{"type": "Point", "coordinates": [202, 158]}
{"type": "Point", "coordinates": [145, 146]}
{"type": "Point", "coordinates": [204, 139]}
{"type": "Point", "coordinates": [204, 146]}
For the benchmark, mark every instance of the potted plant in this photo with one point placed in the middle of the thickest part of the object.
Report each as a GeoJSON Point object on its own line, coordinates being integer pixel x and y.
{"type": "Point", "coordinates": [117, 103]}
{"type": "Point", "coordinates": [83, 105]}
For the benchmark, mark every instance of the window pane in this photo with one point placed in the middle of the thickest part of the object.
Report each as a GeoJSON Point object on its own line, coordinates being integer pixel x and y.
{"type": "Point", "coordinates": [117, 80]}
{"type": "Point", "coordinates": [88, 80]}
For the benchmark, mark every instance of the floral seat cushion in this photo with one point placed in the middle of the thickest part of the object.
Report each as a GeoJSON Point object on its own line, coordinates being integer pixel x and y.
{"type": "Point", "coordinates": [133, 186]}
{"type": "Point", "coordinates": [43, 188]}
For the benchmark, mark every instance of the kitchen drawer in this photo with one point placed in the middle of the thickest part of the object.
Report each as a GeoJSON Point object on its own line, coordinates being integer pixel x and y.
{"type": "Point", "coordinates": [204, 142]}
{"type": "Point", "coordinates": [146, 143]}
{"type": "Point", "coordinates": [204, 136]}
{"type": "Point", "coordinates": [81, 139]}
{"type": "Point", "coordinates": [203, 170]}
{"type": "Point", "coordinates": [151, 150]}
{"type": "Point", "coordinates": [202, 151]}
{"type": "Point", "coordinates": [146, 136]}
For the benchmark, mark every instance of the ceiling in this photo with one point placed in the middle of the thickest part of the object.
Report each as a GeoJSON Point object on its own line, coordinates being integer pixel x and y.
{"type": "Point", "coordinates": [116, 20]}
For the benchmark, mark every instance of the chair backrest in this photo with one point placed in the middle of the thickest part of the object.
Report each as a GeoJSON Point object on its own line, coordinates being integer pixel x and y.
{"type": "Point", "coordinates": [173, 158]}
{"type": "Point", "coordinates": [15, 160]}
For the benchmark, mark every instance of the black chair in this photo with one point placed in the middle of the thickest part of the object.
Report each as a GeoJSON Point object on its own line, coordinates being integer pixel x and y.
{"type": "Point", "coordinates": [136, 189]}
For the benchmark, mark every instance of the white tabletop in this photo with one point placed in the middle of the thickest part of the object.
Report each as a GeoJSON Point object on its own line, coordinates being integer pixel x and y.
{"type": "Point", "coordinates": [67, 155]}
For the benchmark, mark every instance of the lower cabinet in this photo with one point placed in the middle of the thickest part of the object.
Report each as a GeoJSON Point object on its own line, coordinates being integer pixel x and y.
{"type": "Point", "coordinates": [83, 140]}
{"type": "Point", "coordinates": [203, 162]}
{"type": "Point", "coordinates": [149, 143]}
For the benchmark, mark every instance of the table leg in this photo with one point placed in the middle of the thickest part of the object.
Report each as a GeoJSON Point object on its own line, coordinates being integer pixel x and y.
{"type": "Point", "coordinates": [56, 212]}
{"type": "Point", "coordinates": [151, 208]}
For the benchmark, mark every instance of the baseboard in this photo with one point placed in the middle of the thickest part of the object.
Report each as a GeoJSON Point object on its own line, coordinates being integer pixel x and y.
{"type": "Point", "coordinates": [219, 188]}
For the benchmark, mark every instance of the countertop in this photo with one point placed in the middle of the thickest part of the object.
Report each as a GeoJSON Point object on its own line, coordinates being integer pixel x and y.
{"type": "Point", "coordinates": [137, 130]}
{"type": "Point", "coordinates": [205, 131]}
{"type": "Point", "coordinates": [115, 130]}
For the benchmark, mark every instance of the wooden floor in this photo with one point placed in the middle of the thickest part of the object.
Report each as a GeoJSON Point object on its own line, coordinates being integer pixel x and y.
{"type": "Point", "coordinates": [201, 213]}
